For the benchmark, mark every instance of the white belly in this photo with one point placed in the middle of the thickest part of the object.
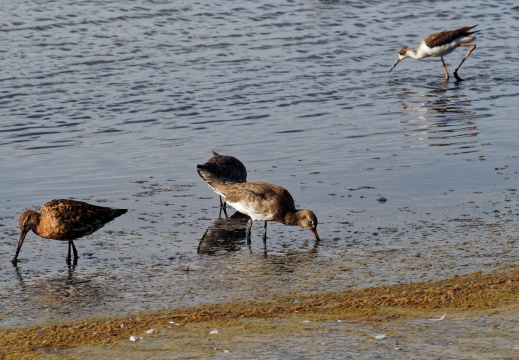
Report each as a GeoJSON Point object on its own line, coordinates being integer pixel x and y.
{"type": "Point", "coordinates": [255, 216]}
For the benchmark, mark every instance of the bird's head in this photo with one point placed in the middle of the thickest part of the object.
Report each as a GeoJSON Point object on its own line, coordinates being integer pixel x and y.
{"type": "Point", "coordinates": [307, 219]}
{"type": "Point", "coordinates": [28, 221]}
{"type": "Point", "coordinates": [402, 54]}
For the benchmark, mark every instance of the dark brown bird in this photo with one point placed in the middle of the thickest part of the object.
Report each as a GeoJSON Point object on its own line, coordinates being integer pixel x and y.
{"type": "Point", "coordinates": [265, 202]}
{"type": "Point", "coordinates": [222, 168]}
{"type": "Point", "coordinates": [65, 220]}
{"type": "Point", "coordinates": [441, 44]}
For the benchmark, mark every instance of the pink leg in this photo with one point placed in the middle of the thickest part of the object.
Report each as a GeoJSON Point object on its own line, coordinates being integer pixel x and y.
{"type": "Point", "coordinates": [465, 58]}
{"type": "Point", "coordinates": [445, 68]}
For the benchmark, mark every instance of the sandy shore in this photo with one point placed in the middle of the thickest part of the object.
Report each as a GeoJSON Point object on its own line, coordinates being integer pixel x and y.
{"type": "Point", "coordinates": [188, 331]}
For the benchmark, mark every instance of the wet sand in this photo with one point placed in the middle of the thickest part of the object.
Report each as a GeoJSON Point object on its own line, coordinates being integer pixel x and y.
{"type": "Point", "coordinates": [378, 320]}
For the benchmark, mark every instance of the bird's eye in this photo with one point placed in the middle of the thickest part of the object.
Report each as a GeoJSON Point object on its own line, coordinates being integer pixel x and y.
{"type": "Point", "coordinates": [311, 222]}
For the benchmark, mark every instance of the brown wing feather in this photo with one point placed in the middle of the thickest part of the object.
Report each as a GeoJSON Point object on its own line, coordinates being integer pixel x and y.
{"type": "Point", "coordinates": [263, 197]}
{"type": "Point", "coordinates": [69, 219]}
{"type": "Point", "coordinates": [446, 37]}
{"type": "Point", "coordinates": [222, 168]}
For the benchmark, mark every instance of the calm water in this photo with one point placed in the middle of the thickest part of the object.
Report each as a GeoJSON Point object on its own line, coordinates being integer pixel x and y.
{"type": "Point", "coordinates": [116, 102]}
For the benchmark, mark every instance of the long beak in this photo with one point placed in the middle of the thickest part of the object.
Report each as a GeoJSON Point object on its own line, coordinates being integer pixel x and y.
{"type": "Point", "coordinates": [315, 234]}
{"type": "Point", "coordinates": [19, 247]}
{"type": "Point", "coordinates": [394, 65]}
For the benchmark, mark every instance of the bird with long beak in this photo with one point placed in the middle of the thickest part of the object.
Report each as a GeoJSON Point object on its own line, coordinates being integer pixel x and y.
{"type": "Point", "coordinates": [441, 44]}
{"type": "Point", "coordinates": [65, 220]}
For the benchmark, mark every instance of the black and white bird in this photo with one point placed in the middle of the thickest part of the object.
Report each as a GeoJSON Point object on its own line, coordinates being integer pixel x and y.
{"type": "Point", "coordinates": [441, 44]}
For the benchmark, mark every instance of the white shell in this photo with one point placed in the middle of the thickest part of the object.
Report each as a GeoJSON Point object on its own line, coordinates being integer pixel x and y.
{"type": "Point", "coordinates": [134, 338]}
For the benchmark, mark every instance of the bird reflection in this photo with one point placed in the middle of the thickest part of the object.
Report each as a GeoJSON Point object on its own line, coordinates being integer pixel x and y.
{"type": "Point", "coordinates": [224, 234]}
{"type": "Point", "coordinates": [230, 234]}
{"type": "Point", "coordinates": [448, 114]}
{"type": "Point", "coordinates": [75, 290]}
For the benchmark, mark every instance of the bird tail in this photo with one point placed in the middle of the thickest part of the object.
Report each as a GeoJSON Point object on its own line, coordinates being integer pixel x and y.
{"type": "Point", "coordinates": [119, 212]}
{"type": "Point", "coordinates": [472, 32]}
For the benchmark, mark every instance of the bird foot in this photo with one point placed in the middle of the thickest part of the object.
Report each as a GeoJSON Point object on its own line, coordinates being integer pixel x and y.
{"type": "Point", "coordinates": [14, 261]}
{"type": "Point", "coordinates": [457, 76]}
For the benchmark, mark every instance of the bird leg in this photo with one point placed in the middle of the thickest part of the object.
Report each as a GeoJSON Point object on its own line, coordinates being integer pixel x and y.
{"type": "Point", "coordinates": [265, 240]}
{"type": "Point", "coordinates": [223, 206]}
{"type": "Point", "coordinates": [445, 68]}
{"type": "Point", "coordinates": [249, 227]}
{"type": "Point", "coordinates": [74, 248]}
{"type": "Point", "coordinates": [224, 211]}
{"type": "Point", "coordinates": [462, 61]}
{"type": "Point", "coordinates": [71, 245]}
{"type": "Point", "coordinates": [248, 231]}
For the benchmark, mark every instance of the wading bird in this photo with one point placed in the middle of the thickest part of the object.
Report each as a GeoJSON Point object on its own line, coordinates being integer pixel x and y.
{"type": "Point", "coordinates": [65, 220]}
{"type": "Point", "coordinates": [441, 44]}
{"type": "Point", "coordinates": [265, 202]}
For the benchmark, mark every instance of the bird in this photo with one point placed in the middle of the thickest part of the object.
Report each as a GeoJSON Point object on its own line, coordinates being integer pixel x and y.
{"type": "Point", "coordinates": [65, 220]}
{"type": "Point", "coordinates": [262, 201]}
{"type": "Point", "coordinates": [441, 44]}
{"type": "Point", "coordinates": [222, 168]}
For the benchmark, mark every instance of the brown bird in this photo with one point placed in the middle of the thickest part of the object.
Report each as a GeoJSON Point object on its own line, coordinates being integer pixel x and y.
{"type": "Point", "coordinates": [222, 168]}
{"type": "Point", "coordinates": [65, 220]}
{"type": "Point", "coordinates": [441, 44]}
{"type": "Point", "coordinates": [265, 202]}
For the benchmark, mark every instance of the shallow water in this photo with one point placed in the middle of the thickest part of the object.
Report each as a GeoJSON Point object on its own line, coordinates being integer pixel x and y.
{"type": "Point", "coordinates": [116, 102]}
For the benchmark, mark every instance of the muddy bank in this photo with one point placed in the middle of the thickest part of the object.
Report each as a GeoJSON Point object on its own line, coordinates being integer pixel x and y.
{"type": "Point", "coordinates": [474, 292]}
